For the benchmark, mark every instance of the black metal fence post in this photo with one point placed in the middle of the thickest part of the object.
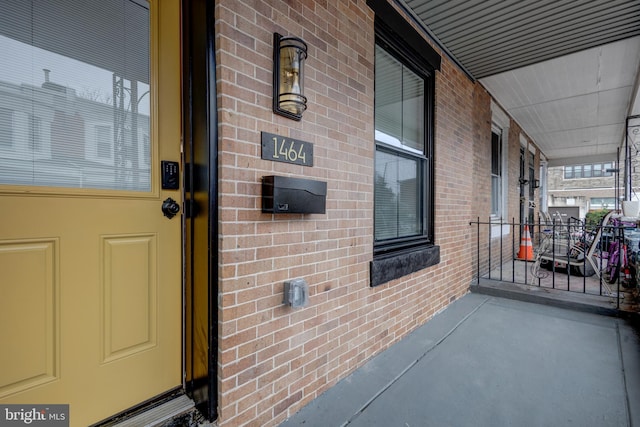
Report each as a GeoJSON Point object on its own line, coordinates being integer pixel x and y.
{"type": "Point", "coordinates": [478, 249]}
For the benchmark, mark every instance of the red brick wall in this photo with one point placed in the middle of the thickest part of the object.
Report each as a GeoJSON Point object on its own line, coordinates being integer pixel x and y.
{"type": "Point", "coordinates": [274, 359]}
{"type": "Point", "coordinates": [493, 252]}
{"type": "Point", "coordinates": [481, 173]}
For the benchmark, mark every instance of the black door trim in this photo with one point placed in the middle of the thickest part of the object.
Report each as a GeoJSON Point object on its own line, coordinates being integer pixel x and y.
{"type": "Point", "coordinates": [201, 212]}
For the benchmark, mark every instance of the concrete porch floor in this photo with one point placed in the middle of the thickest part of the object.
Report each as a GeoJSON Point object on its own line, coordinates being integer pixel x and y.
{"type": "Point", "coordinates": [492, 361]}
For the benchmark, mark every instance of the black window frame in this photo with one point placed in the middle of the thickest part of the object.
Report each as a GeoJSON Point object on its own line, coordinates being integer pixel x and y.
{"type": "Point", "coordinates": [394, 258]}
{"type": "Point", "coordinates": [387, 41]}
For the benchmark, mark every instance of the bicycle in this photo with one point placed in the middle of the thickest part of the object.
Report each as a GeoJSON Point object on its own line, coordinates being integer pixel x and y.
{"type": "Point", "coordinates": [544, 245]}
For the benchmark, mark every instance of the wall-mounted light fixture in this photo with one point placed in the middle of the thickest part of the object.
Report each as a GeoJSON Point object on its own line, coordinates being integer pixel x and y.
{"type": "Point", "coordinates": [536, 183]}
{"type": "Point", "coordinates": [289, 54]}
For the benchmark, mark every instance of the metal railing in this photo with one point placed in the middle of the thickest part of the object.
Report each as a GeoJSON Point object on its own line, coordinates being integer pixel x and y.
{"type": "Point", "coordinates": [572, 256]}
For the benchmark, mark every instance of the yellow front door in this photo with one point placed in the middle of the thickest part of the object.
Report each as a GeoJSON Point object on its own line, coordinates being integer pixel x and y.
{"type": "Point", "coordinates": [90, 267]}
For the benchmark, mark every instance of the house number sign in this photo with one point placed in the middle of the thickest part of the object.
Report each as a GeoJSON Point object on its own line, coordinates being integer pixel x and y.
{"type": "Point", "coordinates": [288, 150]}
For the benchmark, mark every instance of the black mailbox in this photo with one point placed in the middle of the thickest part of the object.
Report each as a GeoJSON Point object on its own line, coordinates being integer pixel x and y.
{"type": "Point", "coordinates": [281, 194]}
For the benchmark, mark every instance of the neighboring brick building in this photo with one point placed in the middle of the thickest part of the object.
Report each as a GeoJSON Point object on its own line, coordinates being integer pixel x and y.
{"type": "Point", "coordinates": [575, 190]}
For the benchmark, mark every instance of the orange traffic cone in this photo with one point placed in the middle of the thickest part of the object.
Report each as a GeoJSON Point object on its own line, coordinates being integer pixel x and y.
{"type": "Point", "coordinates": [526, 248]}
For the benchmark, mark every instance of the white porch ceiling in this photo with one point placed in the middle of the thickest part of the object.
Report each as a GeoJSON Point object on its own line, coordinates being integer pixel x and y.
{"type": "Point", "coordinates": [566, 71]}
{"type": "Point", "coordinates": [575, 106]}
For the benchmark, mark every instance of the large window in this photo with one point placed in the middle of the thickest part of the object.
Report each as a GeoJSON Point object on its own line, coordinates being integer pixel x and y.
{"type": "Point", "coordinates": [602, 203]}
{"type": "Point", "coordinates": [403, 152]}
{"type": "Point", "coordinates": [405, 64]}
{"type": "Point", "coordinates": [596, 170]}
{"type": "Point", "coordinates": [499, 172]}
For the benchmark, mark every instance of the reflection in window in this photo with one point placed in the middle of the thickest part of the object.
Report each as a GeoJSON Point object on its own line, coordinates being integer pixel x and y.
{"type": "Point", "coordinates": [146, 148]}
{"type": "Point", "coordinates": [34, 138]}
{"type": "Point", "coordinates": [6, 128]}
{"type": "Point", "coordinates": [103, 140]}
{"type": "Point", "coordinates": [74, 99]}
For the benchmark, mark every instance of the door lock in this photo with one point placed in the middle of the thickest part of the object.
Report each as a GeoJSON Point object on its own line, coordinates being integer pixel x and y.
{"type": "Point", "coordinates": [170, 176]}
{"type": "Point", "coordinates": [170, 208]}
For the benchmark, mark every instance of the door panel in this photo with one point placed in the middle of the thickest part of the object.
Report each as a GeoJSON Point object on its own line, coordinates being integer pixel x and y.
{"type": "Point", "coordinates": [36, 360]}
{"type": "Point", "coordinates": [90, 295]}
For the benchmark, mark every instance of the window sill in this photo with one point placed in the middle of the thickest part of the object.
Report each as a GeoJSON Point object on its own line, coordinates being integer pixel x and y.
{"type": "Point", "coordinates": [390, 267]}
{"type": "Point", "coordinates": [499, 229]}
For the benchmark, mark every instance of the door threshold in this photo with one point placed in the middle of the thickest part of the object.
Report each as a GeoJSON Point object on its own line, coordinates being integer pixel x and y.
{"type": "Point", "coordinates": [179, 411]}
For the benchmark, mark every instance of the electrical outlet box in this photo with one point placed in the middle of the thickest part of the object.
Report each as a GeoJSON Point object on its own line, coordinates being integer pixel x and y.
{"type": "Point", "coordinates": [296, 293]}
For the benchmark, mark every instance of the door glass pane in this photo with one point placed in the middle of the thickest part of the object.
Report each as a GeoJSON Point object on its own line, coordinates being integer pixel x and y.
{"type": "Point", "coordinates": [6, 128]}
{"type": "Point", "coordinates": [74, 98]}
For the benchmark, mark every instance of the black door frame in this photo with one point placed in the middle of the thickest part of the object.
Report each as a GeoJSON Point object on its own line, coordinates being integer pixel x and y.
{"type": "Point", "coordinates": [201, 211]}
